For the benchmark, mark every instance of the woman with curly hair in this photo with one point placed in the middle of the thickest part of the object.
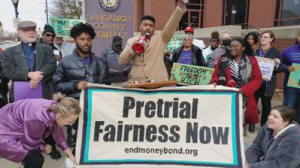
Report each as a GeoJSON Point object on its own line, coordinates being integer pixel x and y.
{"type": "Point", "coordinates": [253, 38]}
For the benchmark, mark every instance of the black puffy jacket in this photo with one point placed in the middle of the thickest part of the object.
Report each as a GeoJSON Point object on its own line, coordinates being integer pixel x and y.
{"type": "Point", "coordinates": [71, 70]}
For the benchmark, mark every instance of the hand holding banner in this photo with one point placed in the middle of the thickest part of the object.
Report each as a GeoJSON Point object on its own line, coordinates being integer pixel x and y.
{"type": "Point", "coordinates": [168, 127]}
{"type": "Point", "coordinates": [294, 78]}
{"type": "Point", "coordinates": [191, 74]}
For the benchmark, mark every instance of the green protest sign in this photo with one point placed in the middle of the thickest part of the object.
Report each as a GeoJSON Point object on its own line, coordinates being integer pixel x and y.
{"type": "Point", "coordinates": [191, 74]}
{"type": "Point", "coordinates": [294, 78]}
{"type": "Point", "coordinates": [62, 26]}
{"type": "Point", "coordinates": [175, 42]}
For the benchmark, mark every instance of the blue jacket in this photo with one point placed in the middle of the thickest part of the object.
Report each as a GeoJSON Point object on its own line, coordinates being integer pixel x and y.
{"type": "Point", "coordinates": [281, 151]}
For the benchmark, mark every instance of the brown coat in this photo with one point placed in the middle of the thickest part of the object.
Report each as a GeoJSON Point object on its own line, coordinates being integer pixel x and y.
{"type": "Point", "coordinates": [151, 65]}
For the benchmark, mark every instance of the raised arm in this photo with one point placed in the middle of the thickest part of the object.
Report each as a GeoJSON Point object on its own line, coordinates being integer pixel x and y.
{"type": "Point", "coordinates": [173, 22]}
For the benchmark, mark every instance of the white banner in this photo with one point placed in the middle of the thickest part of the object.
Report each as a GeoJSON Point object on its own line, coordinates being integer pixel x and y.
{"type": "Point", "coordinates": [169, 127]}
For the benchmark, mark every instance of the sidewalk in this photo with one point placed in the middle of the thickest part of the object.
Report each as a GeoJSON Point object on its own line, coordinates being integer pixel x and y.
{"type": "Point", "coordinates": [50, 163]}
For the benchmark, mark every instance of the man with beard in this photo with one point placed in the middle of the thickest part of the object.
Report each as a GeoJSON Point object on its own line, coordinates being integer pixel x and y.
{"type": "Point", "coordinates": [76, 70]}
{"type": "Point", "coordinates": [118, 74]}
{"type": "Point", "coordinates": [34, 62]}
{"type": "Point", "coordinates": [48, 36]}
{"type": "Point", "coordinates": [29, 61]}
{"type": "Point", "coordinates": [148, 66]}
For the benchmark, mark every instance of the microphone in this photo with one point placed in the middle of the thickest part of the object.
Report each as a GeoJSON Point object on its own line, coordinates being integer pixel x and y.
{"type": "Point", "coordinates": [139, 47]}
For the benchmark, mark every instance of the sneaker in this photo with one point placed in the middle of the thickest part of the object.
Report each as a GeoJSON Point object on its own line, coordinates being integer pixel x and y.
{"type": "Point", "coordinates": [69, 163]}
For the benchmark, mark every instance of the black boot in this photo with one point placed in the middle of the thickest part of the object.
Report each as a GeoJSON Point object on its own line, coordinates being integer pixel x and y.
{"type": "Point", "coordinates": [55, 154]}
{"type": "Point", "coordinates": [251, 128]}
{"type": "Point", "coordinates": [33, 159]}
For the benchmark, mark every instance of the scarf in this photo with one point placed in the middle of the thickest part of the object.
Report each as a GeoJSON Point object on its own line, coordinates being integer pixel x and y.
{"type": "Point", "coordinates": [241, 73]}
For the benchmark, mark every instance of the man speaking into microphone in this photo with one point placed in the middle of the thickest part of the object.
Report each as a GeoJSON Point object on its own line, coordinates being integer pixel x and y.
{"type": "Point", "coordinates": [146, 50]}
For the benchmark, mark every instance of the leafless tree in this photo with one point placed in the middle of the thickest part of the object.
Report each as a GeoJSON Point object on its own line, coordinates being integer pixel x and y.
{"type": "Point", "coordinates": [68, 9]}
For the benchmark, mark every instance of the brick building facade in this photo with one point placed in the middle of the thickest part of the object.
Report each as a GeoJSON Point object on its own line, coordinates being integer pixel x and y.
{"type": "Point", "coordinates": [281, 16]}
{"type": "Point", "coordinates": [256, 13]}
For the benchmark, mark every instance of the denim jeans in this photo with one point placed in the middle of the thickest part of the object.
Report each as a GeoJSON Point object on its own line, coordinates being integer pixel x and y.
{"type": "Point", "coordinates": [293, 98]}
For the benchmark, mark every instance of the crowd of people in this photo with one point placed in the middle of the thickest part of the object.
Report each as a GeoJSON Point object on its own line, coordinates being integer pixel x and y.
{"type": "Point", "coordinates": [31, 126]}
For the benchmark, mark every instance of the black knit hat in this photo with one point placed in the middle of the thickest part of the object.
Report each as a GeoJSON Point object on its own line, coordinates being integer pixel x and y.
{"type": "Point", "coordinates": [48, 28]}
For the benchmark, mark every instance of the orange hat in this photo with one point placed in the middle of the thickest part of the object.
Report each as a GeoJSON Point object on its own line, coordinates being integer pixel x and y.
{"type": "Point", "coordinates": [189, 29]}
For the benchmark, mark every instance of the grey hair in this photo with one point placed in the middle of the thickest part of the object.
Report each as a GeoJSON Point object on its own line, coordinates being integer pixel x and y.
{"type": "Point", "coordinates": [224, 32]}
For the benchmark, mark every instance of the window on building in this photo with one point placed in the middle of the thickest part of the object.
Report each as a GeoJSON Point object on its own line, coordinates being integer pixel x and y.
{"type": "Point", "coordinates": [287, 12]}
{"type": "Point", "coordinates": [194, 15]}
{"type": "Point", "coordinates": [236, 12]}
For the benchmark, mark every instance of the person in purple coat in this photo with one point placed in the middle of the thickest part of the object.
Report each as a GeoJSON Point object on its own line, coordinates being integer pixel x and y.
{"type": "Point", "coordinates": [291, 95]}
{"type": "Point", "coordinates": [26, 123]}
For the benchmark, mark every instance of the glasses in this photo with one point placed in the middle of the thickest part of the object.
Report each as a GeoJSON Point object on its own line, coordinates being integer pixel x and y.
{"type": "Point", "coordinates": [49, 34]}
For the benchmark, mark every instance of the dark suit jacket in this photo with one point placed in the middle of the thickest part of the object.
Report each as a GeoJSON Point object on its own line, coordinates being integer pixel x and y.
{"type": "Point", "coordinates": [15, 66]}
{"type": "Point", "coordinates": [3, 85]}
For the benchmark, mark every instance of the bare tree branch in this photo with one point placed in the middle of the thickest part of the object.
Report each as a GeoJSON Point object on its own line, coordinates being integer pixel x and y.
{"type": "Point", "coordinates": [69, 9]}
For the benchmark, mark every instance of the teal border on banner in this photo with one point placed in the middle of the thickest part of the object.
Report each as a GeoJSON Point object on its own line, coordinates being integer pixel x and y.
{"type": "Point", "coordinates": [233, 126]}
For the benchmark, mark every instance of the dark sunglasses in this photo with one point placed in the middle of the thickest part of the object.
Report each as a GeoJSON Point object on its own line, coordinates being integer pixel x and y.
{"type": "Point", "coordinates": [48, 35]}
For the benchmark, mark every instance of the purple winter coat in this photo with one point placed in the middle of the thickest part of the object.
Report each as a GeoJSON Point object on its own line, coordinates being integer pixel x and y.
{"type": "Point", "coordinates": [23, 126]}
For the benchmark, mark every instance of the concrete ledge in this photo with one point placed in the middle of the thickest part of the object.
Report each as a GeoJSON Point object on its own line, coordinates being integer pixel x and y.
{"type": "Point", "coordinates": [283, 32]}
